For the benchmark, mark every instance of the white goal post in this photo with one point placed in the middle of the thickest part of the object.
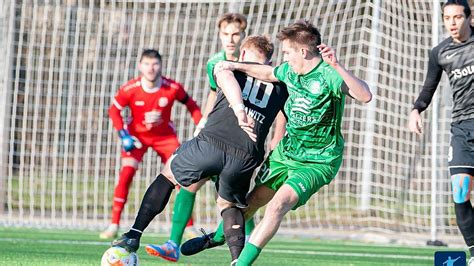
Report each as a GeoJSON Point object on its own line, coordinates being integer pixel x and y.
{"type": "Point", "coordinates": [62, 61]}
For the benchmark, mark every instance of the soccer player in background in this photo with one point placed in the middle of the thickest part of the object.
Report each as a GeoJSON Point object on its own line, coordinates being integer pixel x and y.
{"type": "Point", "coordinates": [309, 156]}
{"type": "Point", "coordinates": [455, 56]}
{"type": "Point", "coordinates": [231, 146]}
{"type": "Point", "coordinates": [150, 98]}
{"type": "Point", "coordinates": [231, 27]}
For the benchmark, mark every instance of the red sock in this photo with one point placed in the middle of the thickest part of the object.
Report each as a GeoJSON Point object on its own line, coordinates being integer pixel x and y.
{"type": "Point", "coordinates": [121, 192]}
{"type": "Point", "coordinates": [190, 222]}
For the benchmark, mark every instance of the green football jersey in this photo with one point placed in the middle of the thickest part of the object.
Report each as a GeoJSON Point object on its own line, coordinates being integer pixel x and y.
{"type": "Point", "coordinates": [314, 108]}
{"type": "Point", "coordinates": [220, 56]}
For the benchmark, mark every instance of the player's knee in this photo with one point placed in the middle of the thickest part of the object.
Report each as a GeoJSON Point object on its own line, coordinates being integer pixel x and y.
{"type": "Point", "coordinates": [223, 204]}
{"type": "Point", "coordinates": [130, 162]}
{"type": "Point", "coordinates": [460, 186]}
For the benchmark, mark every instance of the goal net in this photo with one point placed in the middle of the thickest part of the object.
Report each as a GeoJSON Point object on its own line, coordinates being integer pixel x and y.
{"type": "Point", "coordinates": [61, 62]}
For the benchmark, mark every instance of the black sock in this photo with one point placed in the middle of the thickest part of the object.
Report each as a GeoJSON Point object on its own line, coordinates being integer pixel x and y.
{"type": "Point", "coordinates": [234, 230]}
{"type": "Point", "coordinates": [156, 197]}
{"type": "Point", "coordinates": [465, 221]}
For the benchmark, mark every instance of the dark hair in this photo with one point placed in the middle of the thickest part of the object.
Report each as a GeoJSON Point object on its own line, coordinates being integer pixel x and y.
{"type": "Point", "coordinates": [260, 43]}
{"type": "Point", "coordinates": [150, 53]}
{"type": "Point", "coordinates": [302, 32]}
{"type": "Point", "coordinates": [463, 3]}
{"type": "Point", "coordinates": [233, 18]}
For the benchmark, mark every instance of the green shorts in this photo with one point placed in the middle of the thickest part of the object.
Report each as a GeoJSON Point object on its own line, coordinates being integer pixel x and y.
{"type": "Point", "coordinates": [305, 178]}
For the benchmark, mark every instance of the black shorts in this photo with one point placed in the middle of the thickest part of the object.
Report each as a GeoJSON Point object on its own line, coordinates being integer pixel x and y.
{"type": "Point", "coordinates": [461, 150]}
{"type": "Point", "coordinates": [197, 159]}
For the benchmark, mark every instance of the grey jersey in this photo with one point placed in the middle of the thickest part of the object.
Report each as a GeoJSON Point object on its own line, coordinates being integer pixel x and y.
{"type": "Point", "coordinates": [457, 60]}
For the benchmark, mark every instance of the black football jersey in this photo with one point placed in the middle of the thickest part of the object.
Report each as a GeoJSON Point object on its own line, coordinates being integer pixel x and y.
{"type": "Point", "coordinates": [262, 102]}
{"type": "Point", "coordinates": [457, 60]}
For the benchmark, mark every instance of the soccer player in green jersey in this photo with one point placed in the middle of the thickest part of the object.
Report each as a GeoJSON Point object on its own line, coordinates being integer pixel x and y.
{"type": "Point", "coordinates": [231, 33]}
{"type": "Point", "coordinates": [309, 156]}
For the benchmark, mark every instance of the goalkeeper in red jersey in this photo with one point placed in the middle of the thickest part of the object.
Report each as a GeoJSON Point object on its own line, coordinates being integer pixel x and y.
{"type": "Point", "coordinates": [150, 98]}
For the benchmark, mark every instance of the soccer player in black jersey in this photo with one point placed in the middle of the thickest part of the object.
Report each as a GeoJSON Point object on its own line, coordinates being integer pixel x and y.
{"type": "Point", "coordinates": [230, 146]}
{"type": "Point", "coordinates": [455, 56]}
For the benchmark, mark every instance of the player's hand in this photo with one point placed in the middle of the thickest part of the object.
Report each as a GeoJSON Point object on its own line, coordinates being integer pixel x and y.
{"type": "Point", "coordinates": [200, 126]}
{"type": "Point", "coordinates": [328, 54]}
{"type": "Point", "coordinates": [415, 124]}
{"type": "Point", "coordinates": [223, 65]}
{"type": "Point", "coordinates": [247, 124]}
{"type": "Point", "coordinates": [129, 142]}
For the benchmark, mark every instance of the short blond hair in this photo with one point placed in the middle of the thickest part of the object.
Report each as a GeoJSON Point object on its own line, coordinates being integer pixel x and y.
{"type": "Point", "coordinates": [233, 18]}
{"type": "Point", "coordinates": [260, 43]}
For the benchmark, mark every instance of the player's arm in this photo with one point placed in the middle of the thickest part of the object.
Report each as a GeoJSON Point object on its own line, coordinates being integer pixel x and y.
{"type": "Point", "coordinates": [433, 76]}
{"type": "Point", "coordinates": [193, 109]}
{"type": "Point", "coordinates": [118, 103]}
{"type": "Point", "coordinates": [280, 130]}
{"type": "Point", "coordinates": [211, 99]}
{"type": "Point", "coordinates": [230, 87]}
{"type": "Point", "coordinates": [261, 72]}
{"type": "Point", "coordinates": [357, 88]}
{"type": "Point", "coordinates": [115, 112]}
{"type": "Point", "coordinates": [190, 103]}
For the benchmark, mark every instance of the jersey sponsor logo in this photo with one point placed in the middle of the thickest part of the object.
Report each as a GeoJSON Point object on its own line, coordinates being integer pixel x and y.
{"type": "Point", "coordinates": [163, 101]}
{"type": "Point", "coordinates": [462, 72]}
{"type": "Point", "coordinates": [449, 56]}
{"type": "Point", "coordinates": [301, 105]}
{"type": "Point", "coordinates": [303, 119]}
{"type": "Point", "coordinates": [139, 103]}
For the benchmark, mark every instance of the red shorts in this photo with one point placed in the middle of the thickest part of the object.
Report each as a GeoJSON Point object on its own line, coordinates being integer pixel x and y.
{"type": "Point", "coordinates": [164, 146]}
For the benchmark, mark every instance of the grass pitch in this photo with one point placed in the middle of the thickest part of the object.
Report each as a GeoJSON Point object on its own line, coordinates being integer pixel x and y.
{"type": "Point", "coordinates": [51, 247]}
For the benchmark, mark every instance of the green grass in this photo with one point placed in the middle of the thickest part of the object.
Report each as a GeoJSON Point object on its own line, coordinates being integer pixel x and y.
{"type": "Point", "coordinates": [51, 247]}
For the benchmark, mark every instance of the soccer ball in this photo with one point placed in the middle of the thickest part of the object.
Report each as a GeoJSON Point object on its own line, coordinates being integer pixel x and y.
{"type": "Point", "coordinates": [117, 256]}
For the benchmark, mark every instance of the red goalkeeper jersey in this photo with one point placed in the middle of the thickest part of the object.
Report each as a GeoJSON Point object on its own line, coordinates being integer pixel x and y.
{"type": "Point", "coordinates": [151, 107]}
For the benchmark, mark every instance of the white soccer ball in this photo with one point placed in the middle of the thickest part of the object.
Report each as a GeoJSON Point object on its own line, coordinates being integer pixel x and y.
{"type": "Point", "coordinates": [117, 256]}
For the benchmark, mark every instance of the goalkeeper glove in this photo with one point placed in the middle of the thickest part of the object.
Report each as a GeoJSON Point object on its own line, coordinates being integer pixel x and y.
{"type": "Point", "coordinates": [129, 142]}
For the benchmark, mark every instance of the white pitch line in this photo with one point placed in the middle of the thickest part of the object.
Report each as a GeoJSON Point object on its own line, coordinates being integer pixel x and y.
{"type": "Point", "coordinates": [266, 250]}
{"type": "Point", "coordinates": [346, 254]}
{"type": "Point", "coordinates": [43, 241]}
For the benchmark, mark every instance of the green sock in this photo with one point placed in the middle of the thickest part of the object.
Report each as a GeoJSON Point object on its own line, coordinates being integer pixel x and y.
{"type": "Point", "coordinates": [219, 234]}
{"type": "Point", "coordinates": [182, 211]}
{"type": "Point", "coordinates": [248, 255]}
{"type": "Point", "coordinates": [249, 226]}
